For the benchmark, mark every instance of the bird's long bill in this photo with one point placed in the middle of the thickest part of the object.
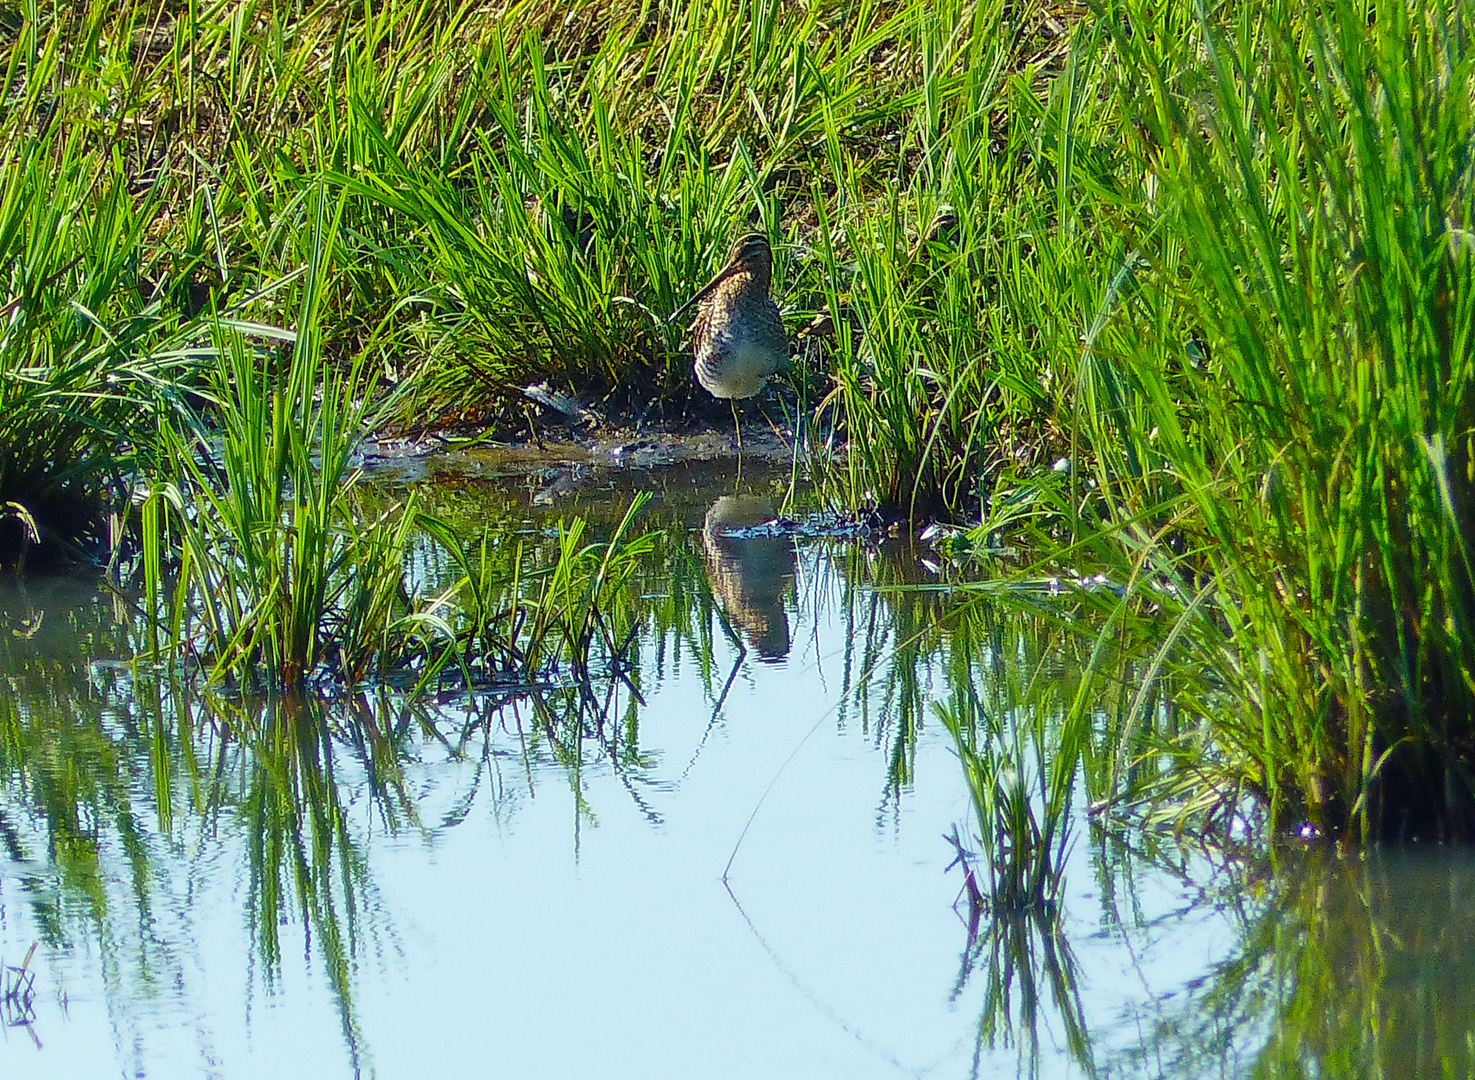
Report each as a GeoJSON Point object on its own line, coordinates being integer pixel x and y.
{"type": "Point", "coordinates": [704, 291]}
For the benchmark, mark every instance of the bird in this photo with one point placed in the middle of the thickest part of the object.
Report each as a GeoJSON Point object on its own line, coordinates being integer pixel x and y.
{"type": "Point", "coordinates": [738, 338]}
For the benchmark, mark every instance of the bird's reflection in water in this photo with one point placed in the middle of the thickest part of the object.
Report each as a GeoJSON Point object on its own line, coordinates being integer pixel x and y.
{"type": "Point", "coordinates": [750, 574]}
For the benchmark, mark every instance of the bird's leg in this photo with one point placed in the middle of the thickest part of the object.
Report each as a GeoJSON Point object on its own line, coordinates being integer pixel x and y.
{"type": "Point", "coordinates": [737, 430]}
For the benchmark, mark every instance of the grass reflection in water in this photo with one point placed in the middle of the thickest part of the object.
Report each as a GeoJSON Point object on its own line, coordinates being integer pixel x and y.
{"type": "Point", "coordinates": [124, 797]}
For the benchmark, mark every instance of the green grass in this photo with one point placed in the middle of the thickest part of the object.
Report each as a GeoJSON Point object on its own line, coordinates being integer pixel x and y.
{"type": "Point", "coordinates": [1219, 259]}
{"type": "Point", "coordinates": [1278, 404]}
{"type": "Point", "coordinates": [529, 195]}
{"type": "Point", "coordinates": [87, 354]}
{"type": "Point", "coordinates": [278, 573]}
{"type": "Point", "coordinates": [268, 563]}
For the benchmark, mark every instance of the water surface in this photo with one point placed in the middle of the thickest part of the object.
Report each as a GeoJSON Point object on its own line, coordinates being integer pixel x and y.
{"type": "Point", "coordinates": [741, 872]}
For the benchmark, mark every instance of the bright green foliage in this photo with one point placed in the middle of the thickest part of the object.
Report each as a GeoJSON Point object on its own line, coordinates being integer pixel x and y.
{"type": "Point", "coordinates": [515, 615]}
{"type": "Point", "coordinates": [1219, 259]}
{"type": "Point", "coordinates": [288, 572]}
{"type": "Point", "coordinates": [279, 574]}
{"type": "Point", "coordinates": [86, 355]}
{"type": "Point", "coordinates": [1280, 405]}
{"type": "Point", "coordinates": [533, 191]}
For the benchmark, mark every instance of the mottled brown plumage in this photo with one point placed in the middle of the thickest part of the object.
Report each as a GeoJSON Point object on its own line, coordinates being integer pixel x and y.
{"type": "Point", "coordinates": [738, 337]}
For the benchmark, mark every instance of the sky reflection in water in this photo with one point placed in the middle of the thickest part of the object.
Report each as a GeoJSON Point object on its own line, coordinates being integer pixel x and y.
{"type": "Point", "coordinates": [537, 908]}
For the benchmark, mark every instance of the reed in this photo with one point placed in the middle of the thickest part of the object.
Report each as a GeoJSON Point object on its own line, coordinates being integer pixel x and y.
{"type": "Point", "coordinates": [86, 353]}
{"type": "Point", "coordinates": [277, 576]}
{"type": "Point", "coordinates": [1278, 405]}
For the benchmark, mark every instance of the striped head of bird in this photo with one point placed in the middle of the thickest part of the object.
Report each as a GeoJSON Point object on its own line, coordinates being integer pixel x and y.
{"type": "Point", "coordinates": [739, 338]}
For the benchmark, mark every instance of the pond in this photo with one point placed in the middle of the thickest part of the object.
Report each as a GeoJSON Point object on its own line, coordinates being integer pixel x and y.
{"type": "Point", "coordinates": [729, 860]}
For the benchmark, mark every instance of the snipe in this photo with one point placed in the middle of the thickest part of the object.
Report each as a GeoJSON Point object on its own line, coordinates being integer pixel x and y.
{"type": "Point", "coordinates": [738, 336]}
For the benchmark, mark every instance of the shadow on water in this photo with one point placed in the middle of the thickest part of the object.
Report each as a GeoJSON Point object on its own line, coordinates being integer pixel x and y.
{"type": "Point", "coordinates": [136, 810]}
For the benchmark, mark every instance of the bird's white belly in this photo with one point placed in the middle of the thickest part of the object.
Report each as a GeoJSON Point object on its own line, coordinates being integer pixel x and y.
{"type": "Point", "coordinates": [744, 370]}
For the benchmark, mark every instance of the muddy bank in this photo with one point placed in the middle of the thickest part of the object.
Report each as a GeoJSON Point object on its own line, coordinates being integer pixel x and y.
{"type": "Point", "coordinates": [556, 461]}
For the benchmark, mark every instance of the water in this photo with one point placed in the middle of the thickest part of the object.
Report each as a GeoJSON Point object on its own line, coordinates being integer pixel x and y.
{"type": "Point", "coordinates": [745, 876]}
